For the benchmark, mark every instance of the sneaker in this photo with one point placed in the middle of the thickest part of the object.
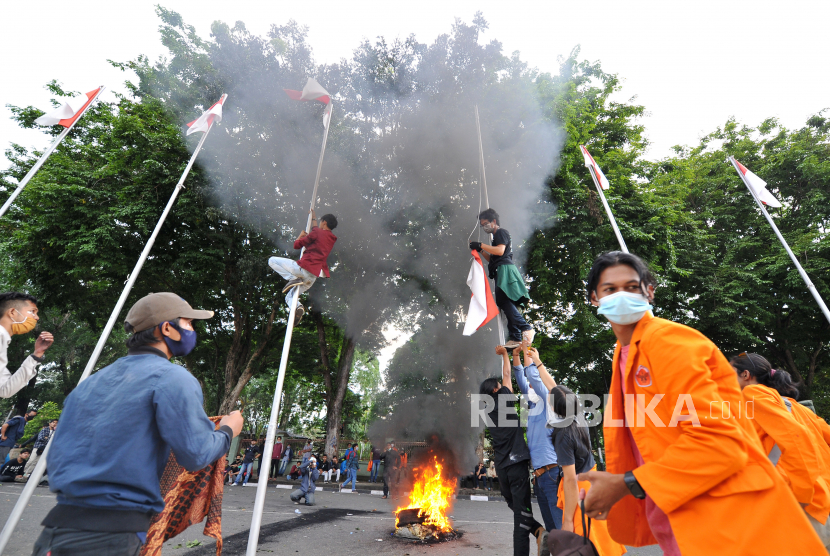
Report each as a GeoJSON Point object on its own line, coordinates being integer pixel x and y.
{"type": "Point", "coordinates": [292, 283]}
{"type": "Point", "coordinates": [528, 336]}
{"type": "Point", "coordinates": [510, 345]}
{"type": "Point", "coordinates": [298, 315]}
{"type": "Point", "coordinates": [384, 497]}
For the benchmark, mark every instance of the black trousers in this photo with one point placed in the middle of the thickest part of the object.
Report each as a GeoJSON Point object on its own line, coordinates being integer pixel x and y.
{"type": "Point", "coordinates": [516, 323]}
{"type": "Point", "coordinates": [59, 541]}
{"type": "Point", "coordinates": [389, 478]}
{"type": "Point", "coordinates": [275, 467]}
{"type": "Point", "coordinates": [515, 487]}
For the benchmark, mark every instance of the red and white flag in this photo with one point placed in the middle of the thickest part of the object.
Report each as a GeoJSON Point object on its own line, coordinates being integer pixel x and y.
{"type": "Point", "coordinates": [591, 163]}
{"type": "Point", "coordinates": [212, 114]}
{"type": "Point", "coordinates": [482, 305]}
{"type": "Point", "coordinates": [311, 91]}
{"type": "Point", "coordinates": [69, 111]}
{"type": "Point", "coordinates": [759, 186]}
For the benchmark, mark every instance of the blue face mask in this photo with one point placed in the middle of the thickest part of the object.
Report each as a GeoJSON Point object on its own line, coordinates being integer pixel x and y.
{"type": "Point", "coordinates": [183, 346]}
{"type": "Point", "coordinates": [624, 307]}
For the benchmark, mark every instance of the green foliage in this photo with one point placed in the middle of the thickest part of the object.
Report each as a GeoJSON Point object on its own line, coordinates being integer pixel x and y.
{"type": "Point", "coordinates": [45, 413]}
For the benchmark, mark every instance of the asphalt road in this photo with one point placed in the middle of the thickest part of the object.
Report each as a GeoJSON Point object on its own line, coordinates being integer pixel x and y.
{"type": "Point", "coordinates": [339, 524]}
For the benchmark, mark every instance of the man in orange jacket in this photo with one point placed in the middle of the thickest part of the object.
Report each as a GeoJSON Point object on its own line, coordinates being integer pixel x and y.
{"type": "Point", "coordinates": [684, 468]}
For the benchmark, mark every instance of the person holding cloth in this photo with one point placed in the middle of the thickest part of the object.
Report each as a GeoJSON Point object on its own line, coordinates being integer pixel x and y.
{"type": "Point", "coordinates": [684, 473]}
{"type": "Point", "coordinates": [18, 315]}
{"type": "Point", "coordinates": [118, 428]}
{"type": "Point", "coordinates": [302, 274]}
{"type": "Point", "coordinates": [510, 286]}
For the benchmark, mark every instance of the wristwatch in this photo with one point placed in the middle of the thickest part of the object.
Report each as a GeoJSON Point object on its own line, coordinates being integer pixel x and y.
{"type": "Point", "coordinates": [632, 484]}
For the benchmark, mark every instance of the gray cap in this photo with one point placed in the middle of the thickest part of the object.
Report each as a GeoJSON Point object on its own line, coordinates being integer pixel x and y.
{"type": "Point", "coordinates": [156, 308]}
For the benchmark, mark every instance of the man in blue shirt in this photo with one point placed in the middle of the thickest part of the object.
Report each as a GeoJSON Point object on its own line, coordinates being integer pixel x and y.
{"type": "Point", "coordinates": [539, 439]}
{"type": "Point", "coordinates": [12, 431]}
{"type": "Point", "coordinates": [310, 474]}
{"type": "Point", "coordinates": [107, 477]}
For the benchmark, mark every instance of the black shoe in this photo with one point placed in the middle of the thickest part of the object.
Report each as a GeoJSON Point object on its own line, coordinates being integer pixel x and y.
{"type": "Point", "coordinates": [291, 283]}
{"type": "Point", "coordinates": [298, 315]}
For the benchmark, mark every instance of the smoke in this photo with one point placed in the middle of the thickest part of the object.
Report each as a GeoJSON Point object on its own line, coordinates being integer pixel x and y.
{"type": "Point", "coordinates": [401, 173]}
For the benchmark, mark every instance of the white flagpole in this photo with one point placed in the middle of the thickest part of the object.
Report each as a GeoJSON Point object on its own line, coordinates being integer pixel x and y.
{"type": "Point", "coordinates": [608, 211]}
{"type": "Point", "coordinates": [262, 482]}
{"type": "Point", "coordinates": [46, 155]}
{"type": "Point", "coordinates": [40, 466]}
{"type": "Point", "coordinates": [810, 286]}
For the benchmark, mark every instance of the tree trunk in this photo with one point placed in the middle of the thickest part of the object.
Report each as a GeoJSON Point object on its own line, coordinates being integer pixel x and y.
{"type": "Point", "coordinates": [236, 380]}
{"type": "Point", "coordinates": [335, 404]}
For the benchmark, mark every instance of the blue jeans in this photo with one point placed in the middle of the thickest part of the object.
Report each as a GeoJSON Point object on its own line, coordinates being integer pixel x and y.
{"type": "Point", "coordinates": [352, 477]}
{"type": "Point", "coordinates": [283, 466]}
{"type": "Point", "coordinates": [547, 486]}
{"type": "Point", "coordinates": [374, 475]}
{"type": "Point", "coordinates": [516, 323]}
{"type": "Point", "coordinates": [245, 471]}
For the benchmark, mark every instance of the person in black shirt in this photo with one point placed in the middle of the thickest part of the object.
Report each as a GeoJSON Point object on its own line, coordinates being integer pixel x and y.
{"type": "Point", "coordinates": [512, 458]}
{"type": "Point", "coordinates": [14, 467]}
{"type": "Point", "coordinates": [251, 453]}
{"type": "Point", "coordinates": [510, 285]}
{"type": "Point", "coordinates": [480, 475]}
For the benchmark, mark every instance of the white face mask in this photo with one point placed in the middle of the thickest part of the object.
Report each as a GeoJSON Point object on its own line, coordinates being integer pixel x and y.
{"type": "Point", "coordinates": [624, 307]}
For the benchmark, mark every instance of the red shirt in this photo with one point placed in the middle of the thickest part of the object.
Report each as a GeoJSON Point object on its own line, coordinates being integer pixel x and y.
{"type": "Point", "coordinates": [318, 244]}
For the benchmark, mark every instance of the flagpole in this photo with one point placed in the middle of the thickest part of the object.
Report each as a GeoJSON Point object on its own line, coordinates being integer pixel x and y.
{"type": "Point", "coordinates": [40, 466]}
{"type": "Point", "coordinates": [262, 482]}
{"type": "Point", "coordinates": [608, 211]}
{"type": "Point", "coordinates": [801, 271]}
{"type": "Point", "coordinates": [487, 205]}
{"type": "Point", "coordinates": [46, 155]}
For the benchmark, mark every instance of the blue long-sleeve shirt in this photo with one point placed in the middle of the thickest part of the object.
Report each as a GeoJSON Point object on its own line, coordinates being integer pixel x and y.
{"type": "Point", "coordinates": [117, 430]}
{"type": "Point", "coordinates": [539, 436]}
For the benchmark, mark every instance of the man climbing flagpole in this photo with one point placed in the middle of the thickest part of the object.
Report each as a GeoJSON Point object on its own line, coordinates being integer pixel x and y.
{"type": "Point", "coordinates": [601, 182]}
{"type": "Point", "coordinates": [758, 189]}
{"type": "Point", "coordinates": [311, 91]}
{"type": "Point", "coordinates": [67, 115]}
{"type": "Point", "coordinates": [483, 184]}
{"type": "Point", "coordinates": [203, 124]}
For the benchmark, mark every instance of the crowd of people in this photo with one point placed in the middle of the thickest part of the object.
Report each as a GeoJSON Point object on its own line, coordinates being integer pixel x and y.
{"type": "Point", "coordinates": [692, 440]}
{"type": "Point", "coordinates": [681, 463]}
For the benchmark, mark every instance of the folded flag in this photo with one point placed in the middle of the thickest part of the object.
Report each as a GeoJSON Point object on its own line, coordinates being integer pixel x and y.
{"type": "Point", "coordinates": [759, 186]}
{"type": "Point", "coordinates": [327, 116]}
{"type": "Point", "coordinates": [311, 91]}
{"type": "Point", "coordinates": [482, 305]}
{"type": "Point", "coordinates": [212, 114]}
{"type": "Point", "coordinates": [591, 163]}
{"type": "Point", "coordinates": [69, 111]}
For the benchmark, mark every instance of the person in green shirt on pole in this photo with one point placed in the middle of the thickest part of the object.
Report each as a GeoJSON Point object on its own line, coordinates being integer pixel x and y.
{"type": "Point", "coordinates": [510, 286]}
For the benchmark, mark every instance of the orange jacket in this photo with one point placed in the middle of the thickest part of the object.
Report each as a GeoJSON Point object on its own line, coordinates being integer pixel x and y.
{"type": "Point", "coordinates": [802, 462]}
{"type": "Point", "coordinates": [703, 477]}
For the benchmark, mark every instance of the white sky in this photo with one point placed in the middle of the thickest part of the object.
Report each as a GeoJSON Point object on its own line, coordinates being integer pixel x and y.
{"type": "Point", "coordinates": [691, 63]}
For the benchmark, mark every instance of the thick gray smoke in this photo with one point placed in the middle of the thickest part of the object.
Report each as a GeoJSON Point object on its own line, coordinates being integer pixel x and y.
{"type": "Point", "coordinates": [401, 174]}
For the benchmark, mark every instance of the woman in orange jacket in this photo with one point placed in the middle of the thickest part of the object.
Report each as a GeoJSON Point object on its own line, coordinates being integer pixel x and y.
{"type": "Point", "coordinates": [681, 469]}
{"type": "Point", "coordinates": [798, 452]}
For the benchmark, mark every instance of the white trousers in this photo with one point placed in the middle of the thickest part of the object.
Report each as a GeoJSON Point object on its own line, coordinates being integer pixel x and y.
{"type": "Point", "coordinates": [289, 269]}
{"type": "Point", "coordinates": [327, 474]}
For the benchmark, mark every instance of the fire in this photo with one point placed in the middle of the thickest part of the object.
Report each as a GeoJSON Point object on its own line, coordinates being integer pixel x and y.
{"type": "Point", "coordinates": [431, 494]}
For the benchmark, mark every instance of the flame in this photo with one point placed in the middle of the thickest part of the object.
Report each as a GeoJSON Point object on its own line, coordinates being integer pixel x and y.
{"type": "Point", "coordinates": [432, 494]}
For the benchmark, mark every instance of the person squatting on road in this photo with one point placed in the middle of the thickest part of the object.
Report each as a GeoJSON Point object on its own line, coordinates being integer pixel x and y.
{"type": "Point", "coordinates": [302, 274]}
{"type": "Point", "coordinates": [14, 468]}
{"type": "Point", "coordinates": [19, 315]}
{"type": "Point", "coordinates": [796, 449]}
{"type": "Point", "coordinates": [309, 474]}
{"type": "Point", "coordinates": [512, 456]}
{"type": "Point", "coordinates": [681, 476]}
{"type": "Point", "coordinates": [510, 286]}
{"type": "Point", "coordinates": [543, 459]}
{"type": "Point", "coordinates": [107, 477]}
